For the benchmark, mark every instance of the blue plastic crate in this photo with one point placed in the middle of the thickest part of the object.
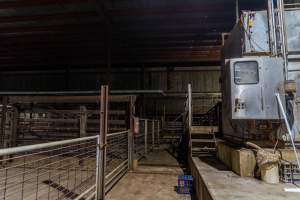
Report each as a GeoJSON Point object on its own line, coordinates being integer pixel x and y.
{"type": "Point", "coordinates": [185, 184]}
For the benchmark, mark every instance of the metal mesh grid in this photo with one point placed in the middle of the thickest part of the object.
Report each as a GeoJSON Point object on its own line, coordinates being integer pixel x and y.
{"type": "Point", "coordinates": [289, 172]}
{"type": "Point", "coordinates": [139, 140]}
{"type": "Point", "coordinates": [63, 171]}
{"type": "Point", "coordinates": [116, 157]}
{"type": "Point", "coordinates": [150, 136]}
{"type": "Point", "coordinates": [156, 133]}
{"type": "Point", "coordinates": [58, 172]}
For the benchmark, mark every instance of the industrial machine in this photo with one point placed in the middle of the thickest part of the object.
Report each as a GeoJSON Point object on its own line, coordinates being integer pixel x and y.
{"type": "Point", "coordinates": [261, 58]}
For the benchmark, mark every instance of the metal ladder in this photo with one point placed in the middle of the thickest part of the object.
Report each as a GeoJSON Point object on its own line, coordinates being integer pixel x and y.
{"type": "Point", "coordinates": [292, 5]}
{"type": "Point", "coordinates": [277, 31]}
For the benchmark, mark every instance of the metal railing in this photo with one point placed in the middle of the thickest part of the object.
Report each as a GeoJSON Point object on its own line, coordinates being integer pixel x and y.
{"type": "Point", "coordinates": [153, 134]}
{"type": "Point", "coordinates": [140, 140]}
{"type": "Point", "coordinates": [148, 137]}
{"type": "Point", "coordinates": [62, 170]}
{"type": "Point", "coordinates": [56, 170]}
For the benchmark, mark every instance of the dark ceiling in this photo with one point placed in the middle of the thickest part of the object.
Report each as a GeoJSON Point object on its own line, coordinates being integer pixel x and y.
{"type": "Point", "coordinates": [91, 33]}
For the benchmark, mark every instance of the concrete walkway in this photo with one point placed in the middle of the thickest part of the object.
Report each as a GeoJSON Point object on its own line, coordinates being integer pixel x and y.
{"type": "Point", "coordinates": [155, 179]}
{"type": "Point", "coordinates": [226, 185]}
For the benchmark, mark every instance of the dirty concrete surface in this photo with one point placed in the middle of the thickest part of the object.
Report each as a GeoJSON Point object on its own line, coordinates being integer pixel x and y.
{"type": "Point", "coordinates": [226, 185]}
{"type": "Point", "coordinates": [154, 179]}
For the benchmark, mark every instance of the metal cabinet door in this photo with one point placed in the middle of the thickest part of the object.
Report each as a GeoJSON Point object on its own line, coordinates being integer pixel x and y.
{"type": "Point", "coordinates": [247, 89]}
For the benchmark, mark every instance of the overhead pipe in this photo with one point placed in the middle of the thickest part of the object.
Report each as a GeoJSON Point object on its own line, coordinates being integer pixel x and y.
{"type": "Point", "coordinates": [78, 93]}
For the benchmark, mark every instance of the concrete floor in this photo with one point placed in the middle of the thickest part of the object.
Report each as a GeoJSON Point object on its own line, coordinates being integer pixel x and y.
{"type": "Point", "coordinates": [154, 179]}
{"type": "Point", "coordinates": [159, 158]}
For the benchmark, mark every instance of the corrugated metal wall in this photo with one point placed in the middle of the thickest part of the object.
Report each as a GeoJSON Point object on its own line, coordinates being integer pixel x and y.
{"type": "Point", "coordinates": [177, 81]}
{"type": "Point", "coordinates": [202, 79]}
{"type": "Point", "coordinates": [171, 80]}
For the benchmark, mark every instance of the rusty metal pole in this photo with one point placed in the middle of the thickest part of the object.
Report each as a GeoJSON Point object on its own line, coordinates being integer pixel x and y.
{"type": "Point", "coordinates": [130, 133]}
{"type": "Point", "coordinates": [102, 140]}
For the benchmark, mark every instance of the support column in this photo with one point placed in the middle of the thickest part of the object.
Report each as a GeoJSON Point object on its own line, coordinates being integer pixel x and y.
{"type": "Point", "coordinates": [153, 136]}
{"type": "Point", "coordinates": [190, 114]}
{"type": "Point", "coordinates": [130, 133]}
{"type": "Point", "coordinates": [102, 140]}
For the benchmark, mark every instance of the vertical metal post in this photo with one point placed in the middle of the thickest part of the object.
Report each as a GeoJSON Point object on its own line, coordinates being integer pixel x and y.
{"type": "Point", "coordinates": [101, 149]}
{"type": "Point", "coordinates": [146, 136]}
{"type": "Point", "coordinates": [153, 136]}
{"type": "Point", "coordinates": [130, 132]}
{"type": "Point", "coordinates": [190, 114]}
{"type": "Point", "coordinates": [83, 121]}
{"type": "Point", "coordinates": [130, 149]}
{"type": "Point", "coordinates": [158, 133]}
{"type": "Point", "coordinates": [14, 127]}
{"type": "Point", "coordinates": [98, 170]}
{"type": "Point", "coordinates": [190, 105]}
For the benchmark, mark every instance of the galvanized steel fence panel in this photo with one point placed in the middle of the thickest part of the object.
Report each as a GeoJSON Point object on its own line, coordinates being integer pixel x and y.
{"type": "Point", "coordinates": [148, 137]}
{"type": "Point", "coordinates": [140, 140]}
{"type": "Point", "coordinates": [58, 170]}
{"type": "Point", "coordinates": [61, 170]}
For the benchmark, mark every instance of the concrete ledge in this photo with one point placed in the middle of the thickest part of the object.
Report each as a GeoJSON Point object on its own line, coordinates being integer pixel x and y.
{"type": "Point", "coordinates": [214, 182]}
{"type": "Point", "coordinates": [200, 188]}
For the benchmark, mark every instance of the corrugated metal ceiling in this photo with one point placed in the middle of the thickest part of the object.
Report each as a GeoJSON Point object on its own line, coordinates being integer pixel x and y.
{"type": "Point", "coordinates": [76, 33]}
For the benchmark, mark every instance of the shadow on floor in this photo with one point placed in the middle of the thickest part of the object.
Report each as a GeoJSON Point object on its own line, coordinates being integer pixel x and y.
{"type": "Point", "coordinates": [215, 163]}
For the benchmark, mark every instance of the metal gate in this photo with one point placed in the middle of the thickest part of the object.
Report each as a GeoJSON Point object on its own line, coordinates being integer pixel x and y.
{"type": "Point", "coordinates": [61, 170]}
{"type": "Point", "coordinates": [148, 137]}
